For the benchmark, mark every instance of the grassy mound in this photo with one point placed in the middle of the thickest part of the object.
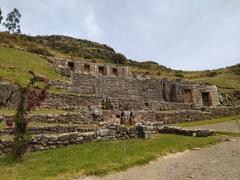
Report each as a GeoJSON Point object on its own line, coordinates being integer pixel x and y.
{"type": "Point", "coordinates": [15, 64]}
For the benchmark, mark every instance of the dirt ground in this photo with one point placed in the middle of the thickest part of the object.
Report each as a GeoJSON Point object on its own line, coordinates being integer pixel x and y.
{"type": "Point", "coordinates": [225, 126]}
{"type": "Point", "coordinates": [216, 162]}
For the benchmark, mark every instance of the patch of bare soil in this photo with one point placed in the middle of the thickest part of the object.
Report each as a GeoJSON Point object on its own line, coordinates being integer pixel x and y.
{"type": "Point", "coordinates": [225, 126]}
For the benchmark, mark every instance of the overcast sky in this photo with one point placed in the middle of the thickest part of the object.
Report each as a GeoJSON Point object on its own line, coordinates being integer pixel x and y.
{"type": "Point", "coordinates": [181, 34]}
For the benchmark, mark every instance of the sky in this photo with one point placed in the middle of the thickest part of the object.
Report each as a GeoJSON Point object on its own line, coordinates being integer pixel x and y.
{"type": "Point", "coordinates": [181, 34]}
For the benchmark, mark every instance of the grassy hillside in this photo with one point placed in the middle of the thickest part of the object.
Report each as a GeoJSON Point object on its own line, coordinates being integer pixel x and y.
{"type": "Point", "coordinates": [15, 64]}
{"type": "Point", "coordinates": [83, 50]}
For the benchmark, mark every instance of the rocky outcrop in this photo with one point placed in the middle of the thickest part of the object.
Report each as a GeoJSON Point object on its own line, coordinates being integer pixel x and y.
{"type": "Point", "coordinates": [9, 95]}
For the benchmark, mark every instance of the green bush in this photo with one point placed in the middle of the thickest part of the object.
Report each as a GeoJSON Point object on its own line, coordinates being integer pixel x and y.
{"type": "Point", "coordinates": [38, 50]}
{"type": "Point", "coordinates": [21, 137]}
{"type": "Point", "coordinates": [119, 58]}
{"type": "Point", "coordinates": [179, 75]}
{"type": "Point", "coordinates": [211, 73]}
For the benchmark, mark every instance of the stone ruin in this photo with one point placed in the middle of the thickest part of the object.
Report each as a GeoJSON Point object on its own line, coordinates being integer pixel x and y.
{"type": "Point", "coordinates": [127, 91]}
{"type": "Point", "coordinates": [110, 97]}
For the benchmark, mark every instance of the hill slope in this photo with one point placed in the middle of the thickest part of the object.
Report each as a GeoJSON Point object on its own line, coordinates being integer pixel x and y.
{"type": "Point", "coordinates": [15, 64]}
{"type": "Point", "coordinates": [83, 50]}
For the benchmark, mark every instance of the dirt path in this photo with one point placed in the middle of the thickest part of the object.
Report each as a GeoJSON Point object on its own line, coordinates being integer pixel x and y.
{"type": "Point", "coordinates": [225, 126]}
{"type": "Point", "coordinates": [217, 162]}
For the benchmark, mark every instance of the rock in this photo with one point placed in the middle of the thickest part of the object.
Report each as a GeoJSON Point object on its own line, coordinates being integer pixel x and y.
{"type": "Point", "coordinates": [38, 147]}
{"type": "Point", "coordinates": [147, 134]}
{"type": "Point", "coordinates": [1, 117]}
{"type": "Point", "coordinates": [53, 138]}
{"type": "Point", "coordinates": [9, 95]}
{"type": "Point", "coordinates": [103, 132]}
{"type": "Point", "coordinates": [79, 139]}
{"type": "Point", "coordinates": [64, 137]}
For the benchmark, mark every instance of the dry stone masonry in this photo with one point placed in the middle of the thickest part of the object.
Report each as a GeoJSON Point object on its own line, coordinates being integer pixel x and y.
{"type": "Point", "coordinates": [126, 90]}
{"type": "Point", "coordinates": [108, 98]}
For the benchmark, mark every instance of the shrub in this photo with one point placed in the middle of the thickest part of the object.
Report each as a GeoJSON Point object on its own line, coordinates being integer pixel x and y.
{"type": "Point", "coordinates": [38, 50]}
{"type": "Point", "coordinates": [179, 75]}
{"type": "Point", "coordinates": [119, 58]}
{"type": "Point", "coordinates": [21, 138]}
{"type": "Point", "coordinates": [159, 73]}
{"type": "Point", "coordinates": [211, 73]}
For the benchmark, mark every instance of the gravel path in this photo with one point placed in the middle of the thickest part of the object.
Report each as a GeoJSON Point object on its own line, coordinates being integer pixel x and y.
{"type": "Point", "coordinates": [225, 126]}
{"type": "Point", "coordinates": [216, 162]}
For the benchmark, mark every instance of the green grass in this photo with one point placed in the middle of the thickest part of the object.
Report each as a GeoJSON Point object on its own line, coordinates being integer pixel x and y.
{"type": "Point", "coordinates": [224, 80]}
{"type": "Point", "coordinates": [96, 158]}
{"type": "Point", "coordinates": [58, 91]}
{"type": "Point", "coordinates": [48, 111]}
{"type": "Point", "coordinates": [209, 121]}
{"type": "Point", "coordinates": [2, 125]}
{"type": "Point", "coordinates": [7, 112]}
{"type": "Point", "coordinates": [15, 64]}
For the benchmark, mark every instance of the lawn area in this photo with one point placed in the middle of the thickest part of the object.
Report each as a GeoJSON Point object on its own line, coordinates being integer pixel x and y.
{"type": "Point", "coordinates": [96, 158]}
{"type": "Point", "coordinates": [15, 64]}
{"type": "Point", "coordinates": [209, 121]}
{"type": "Point", "coordinates": [225, 80]}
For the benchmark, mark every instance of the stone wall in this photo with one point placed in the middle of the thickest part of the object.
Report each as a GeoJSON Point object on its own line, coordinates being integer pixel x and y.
{"type": "Point", "coordinates": [171, 117]}
{"type": "Point", "coordinates": [51, 129]}
{"type": "Point", "coordinates": [113, 132]}
{"type": "Point", "coordinates": [104, 117]}
{"type": "Point", "coordinates": [185, 132]}
{"type": "Point", "coordinates": [107, 81]}
{"type": "Point", "coordinates": [70, 101]}
{"type": "Point", "coordinates": [145, 90]}
{"type": "Point", "coordinates": [67, 67]}
{"type": "Point", "coordinates": [82, 117]}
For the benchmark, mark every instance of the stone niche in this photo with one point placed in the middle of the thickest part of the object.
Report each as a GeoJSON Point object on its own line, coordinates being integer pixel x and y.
{"type": "Point", "coordinates": [108, 81]}
{"type": "Point", "coordinates": [101, 71]}
{"type": "Point", "coordinates": [188, 96]}
{"type": "Point", "coordinates": [71, 65]}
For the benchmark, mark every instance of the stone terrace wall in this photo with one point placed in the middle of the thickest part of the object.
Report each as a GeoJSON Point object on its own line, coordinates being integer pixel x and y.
{"type": "Point", "coordinates": [171, 117]}
{"type": "Point", "coordinates": [113, 132]}
{"type": "Point", "coordinates": [74, 118]}
{"type": "Point", "coordinates": [64, 101]}
{"type": "Point", "coordinates": [112, 116]}
{"type": "Point", "coordinates": [145, 90]}
{"type": "Point", "coordinates": [51, 129]}
{"type": "Point", "coordinates": [68, 101]}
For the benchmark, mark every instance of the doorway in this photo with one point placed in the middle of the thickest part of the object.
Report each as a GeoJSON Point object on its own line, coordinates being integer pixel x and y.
{"type": "Point", "coordinates": [71, 65]}
{"type": "Point", "coordinates": [206, 98]}
{"type": "Point", "coordinates": [188, 96]}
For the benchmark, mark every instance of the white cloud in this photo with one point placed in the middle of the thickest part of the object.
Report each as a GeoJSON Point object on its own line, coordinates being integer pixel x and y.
{"type": "Point", "coordinates": [186, 34]}
{"type": "Point", "coordinates": [93, 30]}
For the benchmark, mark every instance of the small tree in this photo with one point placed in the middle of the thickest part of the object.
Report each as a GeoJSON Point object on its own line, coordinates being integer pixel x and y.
{"type": "Point", "coordinates": [1, 15]}
{"type": "Point", "coordinates": [30, 97]}
{"type": "Point", "coordinates": [12, 22]}
{"type": "Point", "coordinates": [21, 137]}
